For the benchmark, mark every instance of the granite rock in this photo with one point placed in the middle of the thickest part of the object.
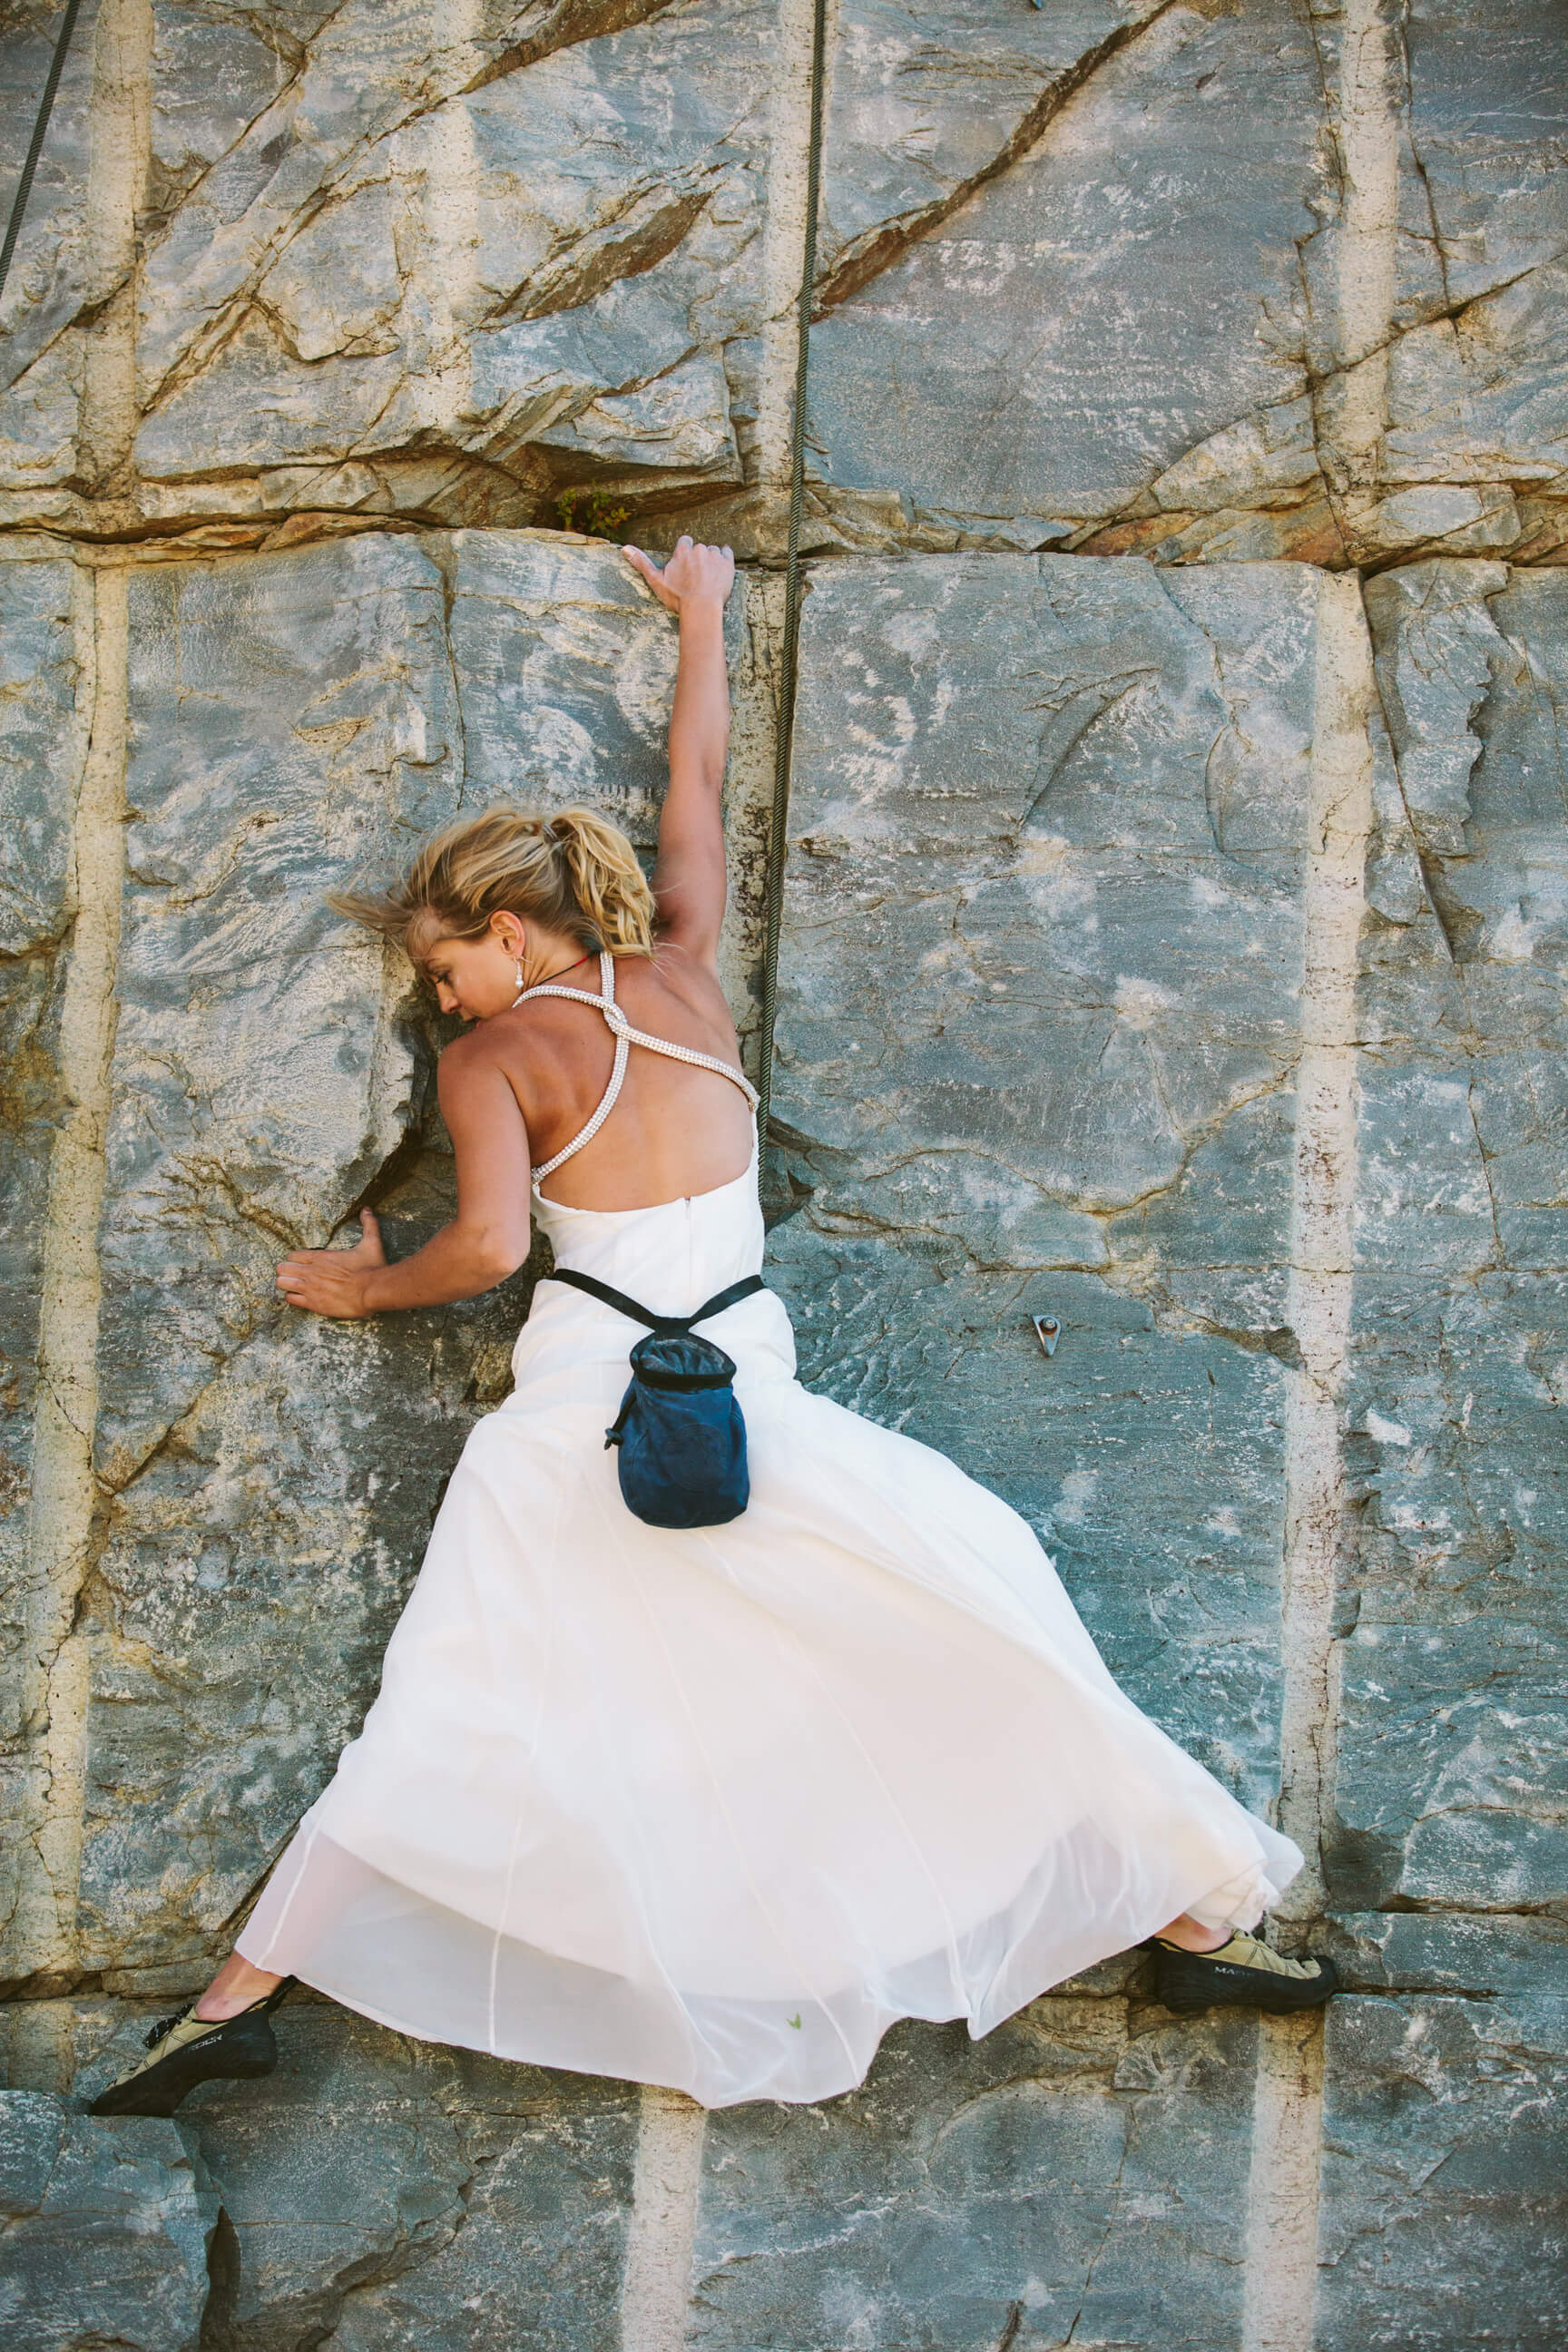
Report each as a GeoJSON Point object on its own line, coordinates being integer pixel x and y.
{"type": "Point", "coordinates": [1054, 344]}
{"type": "Point", "coordinates": [42, 700]}
{"type": "Point", "coordinates": [39, 770]}
{"type": "Point", "coordinates": [377, 2192]}
{"type": "Point", "coordinates": [104, 2230]}
{"type": "Point", "coordinates": [1452, 1673]}
{"type": "Point", "coordinates": [1120, 321]}
{"type": "Point", "coordinates": [260, 1082]}
{"type": "Point", "coordinates": [1483, 1957]}
{"type": "Point", "coordinates": [1444, 2130]}
{"type": "Point", "coordinates": [1060, 804]}
{"type": "Point", "coordinates": [1082, 275]}
{"type": "Point", "coordinates": [1485, 109]}
{"type": "Point", "coordinates": [1474, 456]}
{"type": "Point", "coordinates": [54, 274]}
{"type": "Point", "coordinates": [478, 250]}
{"type": "Point", "coordinates": [1025, 2187]}
{"type": "Point", "coordinates": [1086, 821]}
{"type": "Point", "coordinates": [906, 142]}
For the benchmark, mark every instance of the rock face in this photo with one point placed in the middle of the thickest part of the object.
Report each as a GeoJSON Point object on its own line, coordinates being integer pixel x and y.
{"type": "Point", "coordinates": [1039, 1026]}
{"type": "Point", "coordinates": [385, 2194]}
{"type": "Point", "coordinates": [1122, 274]}
{"type": "Point", "coordinates": [106, 2230]}
{"type": "Point", "coordinates": [1174, 944]}
{"type": "Point", "coordinates": [37, 783]}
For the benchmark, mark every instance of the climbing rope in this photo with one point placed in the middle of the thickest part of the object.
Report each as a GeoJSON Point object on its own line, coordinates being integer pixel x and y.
{"type": "Point", "coordinates": [36, 145]}
{"type": "Point", "coordinates": [778, 837]}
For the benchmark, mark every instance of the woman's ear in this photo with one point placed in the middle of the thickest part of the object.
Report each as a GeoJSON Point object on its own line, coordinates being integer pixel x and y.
{"type": "Point", "coordinates": [510, 932]}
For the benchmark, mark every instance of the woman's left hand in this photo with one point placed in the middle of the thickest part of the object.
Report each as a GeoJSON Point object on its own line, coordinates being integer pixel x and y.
{"type": "Point", "coordinates": [695, 573]}
{"type": "Point", "coordinates": [333, 1281]}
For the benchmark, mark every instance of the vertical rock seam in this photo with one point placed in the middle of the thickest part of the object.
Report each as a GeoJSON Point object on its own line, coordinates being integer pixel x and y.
{"type": "Point", "coordinates": [63, 1487]}
{"type": "Point", "coordinates": [449, 272]}
{"type": "Point", "coordinates": [1353, 407]}
{"type": "Point", "coordinates": [1282, 2189]}
{"type": "Point", "coordinates": [1281, 2262]}
{"type": "Point", "coordinates": [117, 180]}
{"type": "Point", "coordinates": [656, 2284]}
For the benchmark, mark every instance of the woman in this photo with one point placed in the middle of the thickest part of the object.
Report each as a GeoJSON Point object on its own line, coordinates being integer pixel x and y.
{"type": "Point", "coordinates": [707, 1807]}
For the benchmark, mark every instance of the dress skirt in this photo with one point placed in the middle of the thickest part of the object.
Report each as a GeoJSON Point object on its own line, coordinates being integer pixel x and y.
{"type": "Point", "coordinates": [713, 1809]}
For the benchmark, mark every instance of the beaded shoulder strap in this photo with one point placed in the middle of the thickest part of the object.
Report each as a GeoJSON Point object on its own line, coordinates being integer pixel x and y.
{"type": "Point", "coordinates": [626, 1036]}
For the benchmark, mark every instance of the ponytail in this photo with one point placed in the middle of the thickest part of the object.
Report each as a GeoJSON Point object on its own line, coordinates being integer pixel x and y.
{"type": "Point", "coordinates": [608, 888]}
{"type": "Point", "coordinates": [573, 872]}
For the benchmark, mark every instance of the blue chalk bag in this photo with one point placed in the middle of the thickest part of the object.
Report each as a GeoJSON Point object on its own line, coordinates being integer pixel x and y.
{"type": "Point", "coordinates": [680, 1431]}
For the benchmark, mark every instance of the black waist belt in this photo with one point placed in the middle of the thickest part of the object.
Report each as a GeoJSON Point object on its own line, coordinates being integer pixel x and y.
{"type": "Point", "coordinates": [744, 1289]}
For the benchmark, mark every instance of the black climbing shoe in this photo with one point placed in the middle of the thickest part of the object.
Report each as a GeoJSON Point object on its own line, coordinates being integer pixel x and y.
{"type": "Point", "coordinates": [186, 2050]}
{"type": "Point", "coordinates": [1243, 1974]}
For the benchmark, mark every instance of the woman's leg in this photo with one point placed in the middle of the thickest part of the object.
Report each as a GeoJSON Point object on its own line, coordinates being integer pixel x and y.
{"type": "Point", "coordinates": [239, 1986]}
{"type": "Point", "coordinates": [1184, 1931]}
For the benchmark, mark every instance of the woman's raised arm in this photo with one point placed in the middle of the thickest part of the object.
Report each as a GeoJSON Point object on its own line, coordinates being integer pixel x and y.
{"type": "Point", "coordinates": [689, 876]}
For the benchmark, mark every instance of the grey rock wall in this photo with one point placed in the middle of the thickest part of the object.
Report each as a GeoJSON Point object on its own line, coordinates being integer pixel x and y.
{"type": "Point", "coordinates": [1122, 273]}
{"type": "Point", "coordinates": [1039, 1032]}
{"type": "Point", "coordinates": [105, 2229]}
{"type": "Point", "coordinates": [1175, 943]}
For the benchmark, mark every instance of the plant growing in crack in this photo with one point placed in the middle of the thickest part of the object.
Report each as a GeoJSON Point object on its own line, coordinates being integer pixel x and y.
{"type": "Point", "coordinates": [599, 518]}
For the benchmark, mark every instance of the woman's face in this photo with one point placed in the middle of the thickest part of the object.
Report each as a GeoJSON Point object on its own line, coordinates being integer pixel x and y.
{"type": "Point", "coordinates": [476, 978]}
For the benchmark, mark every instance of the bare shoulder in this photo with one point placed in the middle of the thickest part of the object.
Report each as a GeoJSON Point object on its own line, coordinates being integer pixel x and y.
{"type": "Point", "coordinates": [678, 972]}
{"type": "Point", "coordinates": [470, 1058]}
{"type": "Point", "coordinates": [466, 1051]}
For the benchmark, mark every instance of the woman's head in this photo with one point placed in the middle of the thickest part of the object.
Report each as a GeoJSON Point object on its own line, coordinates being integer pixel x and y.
{"type": "Point", "coordinates": [488, 894]}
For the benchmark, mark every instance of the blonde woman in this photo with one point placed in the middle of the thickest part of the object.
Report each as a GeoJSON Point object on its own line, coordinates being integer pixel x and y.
{"type": "Point", "coordinates": [706, 1806]}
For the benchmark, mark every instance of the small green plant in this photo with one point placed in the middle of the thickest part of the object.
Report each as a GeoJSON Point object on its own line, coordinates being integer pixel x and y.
{"type": "Point", "coordinates": [598, 519]}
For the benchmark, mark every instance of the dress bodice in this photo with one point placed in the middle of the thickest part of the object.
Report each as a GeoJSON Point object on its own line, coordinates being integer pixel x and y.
{"type": "Point", "coordinates": [670, 1258]}
{"type": "Point", "coordinates": [659, 1255]}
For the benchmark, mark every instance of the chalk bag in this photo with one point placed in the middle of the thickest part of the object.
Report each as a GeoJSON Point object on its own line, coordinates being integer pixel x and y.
{"type": "Point", "coordinates": [680, 1430]}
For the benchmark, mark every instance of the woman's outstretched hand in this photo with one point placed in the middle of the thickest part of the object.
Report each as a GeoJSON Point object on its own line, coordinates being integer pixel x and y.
{"type": "Point", "coordinates": [331, 1281]}
{"type": "Point", "coordinates": [695, 575]}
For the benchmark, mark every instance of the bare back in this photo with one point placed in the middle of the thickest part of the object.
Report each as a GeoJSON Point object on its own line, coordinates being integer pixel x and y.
{"type": "Point", "coordinates": [675, 1130]}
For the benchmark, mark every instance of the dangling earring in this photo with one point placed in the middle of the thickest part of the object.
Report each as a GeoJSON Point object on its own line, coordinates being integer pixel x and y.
{"type": "Point", "coordinates": [518, 969]}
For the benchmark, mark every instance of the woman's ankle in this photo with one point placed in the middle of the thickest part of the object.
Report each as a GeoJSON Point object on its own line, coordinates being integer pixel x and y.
{"type": "Point", "coordinates": [1191, 1935]}
{"type": "Point", "coordinates": [237, 1985]}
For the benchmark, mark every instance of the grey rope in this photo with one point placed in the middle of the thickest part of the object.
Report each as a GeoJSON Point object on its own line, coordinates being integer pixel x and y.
{"type": "Point", "coordinates": [35, 146]}
{"type": "Point", "coordinates": [778, 836]}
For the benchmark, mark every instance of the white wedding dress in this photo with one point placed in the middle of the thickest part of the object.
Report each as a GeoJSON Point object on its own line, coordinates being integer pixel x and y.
{"type": "Point", "coordinates": [713, 1809]}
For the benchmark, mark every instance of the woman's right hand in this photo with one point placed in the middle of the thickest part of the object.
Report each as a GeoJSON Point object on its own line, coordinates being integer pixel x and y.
{"type": "Point", "coordinates": [695, 575]}
{"type": "Point", "coordinates": [331, 1281]}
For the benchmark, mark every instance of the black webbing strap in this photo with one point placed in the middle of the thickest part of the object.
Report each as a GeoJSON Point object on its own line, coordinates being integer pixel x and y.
{"type": "Point", "coordinates": [36, 145]}
{"type": "Point", "coordinates": [778, 834]}
{"type": "Point", "coordinates": [625, 1305]}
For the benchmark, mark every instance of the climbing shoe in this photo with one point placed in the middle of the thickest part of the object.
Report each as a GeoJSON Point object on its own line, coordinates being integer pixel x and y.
{"type": "Point", "coordinates": [1243, 1973]}
{"type": "Point", "coordinates": [186, 2050]}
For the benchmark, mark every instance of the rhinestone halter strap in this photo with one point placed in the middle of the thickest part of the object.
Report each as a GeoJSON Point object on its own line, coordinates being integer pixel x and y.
{"type": "Point", "coordinates": [626, 1036]}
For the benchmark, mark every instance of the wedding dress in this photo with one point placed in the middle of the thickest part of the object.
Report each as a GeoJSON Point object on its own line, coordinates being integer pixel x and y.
{"type": "Point", "coordinates": [714, 1808]}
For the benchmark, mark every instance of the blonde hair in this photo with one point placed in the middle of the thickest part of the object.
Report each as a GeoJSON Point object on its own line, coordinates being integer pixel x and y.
{"type": "Point", "coordinates": [572, 871]}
